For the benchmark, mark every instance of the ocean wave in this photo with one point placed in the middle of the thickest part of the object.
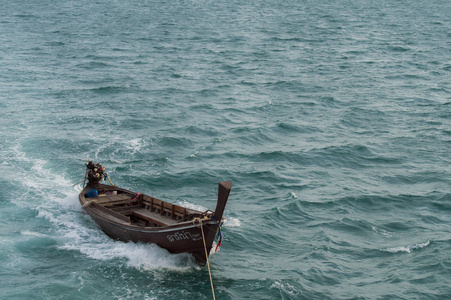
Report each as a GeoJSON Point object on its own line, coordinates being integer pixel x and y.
{"type": "Point", "coordinates": [382, 231]}
{"type": "Point", "coordinates": [286, 288]}
{"type": "Point", "coordinates": [191, 205]}
{"type": "Point", "coordinates": [109, 89]}
{"type": "Point", "coordinates": [172, 142]}
{"type": "Point", "coordinates": [93, 65]}
{"type": "Point", "coordinates": [33, 233]}
{"type": "Point", "coordinates": [135, 144]}
{"type": "Point", "coordinates": [232, 222]}
{"type": "Point", "coordinates": [408, 248]}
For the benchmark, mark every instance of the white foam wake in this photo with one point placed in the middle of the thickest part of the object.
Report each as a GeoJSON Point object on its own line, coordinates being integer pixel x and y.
{"type": "Point", "coordinates": [140, 256]}
{"type": "Point", "coordinates": [232, 222]}
{"type": "Point", "coordinates": [56, 200]}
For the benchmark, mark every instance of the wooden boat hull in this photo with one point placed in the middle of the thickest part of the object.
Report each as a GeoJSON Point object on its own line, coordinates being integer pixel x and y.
{"type": "Point", "coordinates": [183, 236]}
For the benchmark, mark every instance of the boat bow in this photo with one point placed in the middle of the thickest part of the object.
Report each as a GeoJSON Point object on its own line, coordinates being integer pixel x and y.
{"type": "Point", "coordinates": [223, 194]}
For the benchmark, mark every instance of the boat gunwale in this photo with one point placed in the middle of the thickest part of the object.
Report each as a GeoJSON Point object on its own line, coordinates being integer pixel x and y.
{"type": "Point", "coordinates": [91, 209]}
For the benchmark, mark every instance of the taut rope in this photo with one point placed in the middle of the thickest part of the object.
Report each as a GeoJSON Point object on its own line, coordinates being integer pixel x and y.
{"type": "Point", "coordinates": [206, 253]}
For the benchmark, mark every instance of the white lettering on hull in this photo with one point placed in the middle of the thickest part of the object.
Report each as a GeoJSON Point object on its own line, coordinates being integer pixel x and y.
{"type": "Point", "coordinates": [183, 235]}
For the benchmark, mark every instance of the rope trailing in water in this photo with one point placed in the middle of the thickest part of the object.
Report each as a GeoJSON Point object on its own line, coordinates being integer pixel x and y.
{"type": "Point", "coordinates": [206, 253]}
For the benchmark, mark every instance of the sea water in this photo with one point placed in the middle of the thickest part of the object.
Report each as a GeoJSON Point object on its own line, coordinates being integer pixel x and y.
{"type": "Point", "coordinates": [332, 119]}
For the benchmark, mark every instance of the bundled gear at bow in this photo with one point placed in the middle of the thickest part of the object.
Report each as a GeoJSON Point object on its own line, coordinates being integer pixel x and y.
{"type": "Point", "coordinates": [96, 173]}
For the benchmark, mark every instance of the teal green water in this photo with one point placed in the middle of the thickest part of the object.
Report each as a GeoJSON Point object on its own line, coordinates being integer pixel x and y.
{"type": "Point", "coordinates": [332, 119]}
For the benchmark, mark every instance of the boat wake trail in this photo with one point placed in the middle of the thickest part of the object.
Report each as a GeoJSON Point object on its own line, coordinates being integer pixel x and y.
{"type": "Point", "coordinates": [55, 201]}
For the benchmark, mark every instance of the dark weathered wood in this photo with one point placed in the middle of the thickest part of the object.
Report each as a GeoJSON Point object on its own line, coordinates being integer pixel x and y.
{"type": "Point", "coordinates": [223, 195]}
{"type": "Point", "coordinates": [168, 209]}
{"type": "Point", "coordinates": [180, 212]}
{"type": "Point", "coordinates": [108, 212]}
{"type": "Point", "coordinates": [112, 199]}
{"type": "Point", "coordinates": [154, 217]}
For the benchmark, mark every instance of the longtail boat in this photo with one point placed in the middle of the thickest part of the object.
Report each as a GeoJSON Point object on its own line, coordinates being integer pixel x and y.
{"type": "Point", "coordinates": [130, 216]}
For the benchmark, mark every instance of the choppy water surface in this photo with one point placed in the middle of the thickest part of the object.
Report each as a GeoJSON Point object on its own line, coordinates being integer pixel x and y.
{"type": "Point", "coordinates": [332, 119]}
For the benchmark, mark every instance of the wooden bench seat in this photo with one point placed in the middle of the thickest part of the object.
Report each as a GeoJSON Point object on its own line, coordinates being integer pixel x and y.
{"type": "Point", "coordinates": [154, 217]}
{"type": "Point", "coordinates": [111, 200]}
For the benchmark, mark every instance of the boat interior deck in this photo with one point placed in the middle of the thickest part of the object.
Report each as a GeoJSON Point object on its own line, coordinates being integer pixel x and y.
{"type": "Point", "coordinates": [143, 210]}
